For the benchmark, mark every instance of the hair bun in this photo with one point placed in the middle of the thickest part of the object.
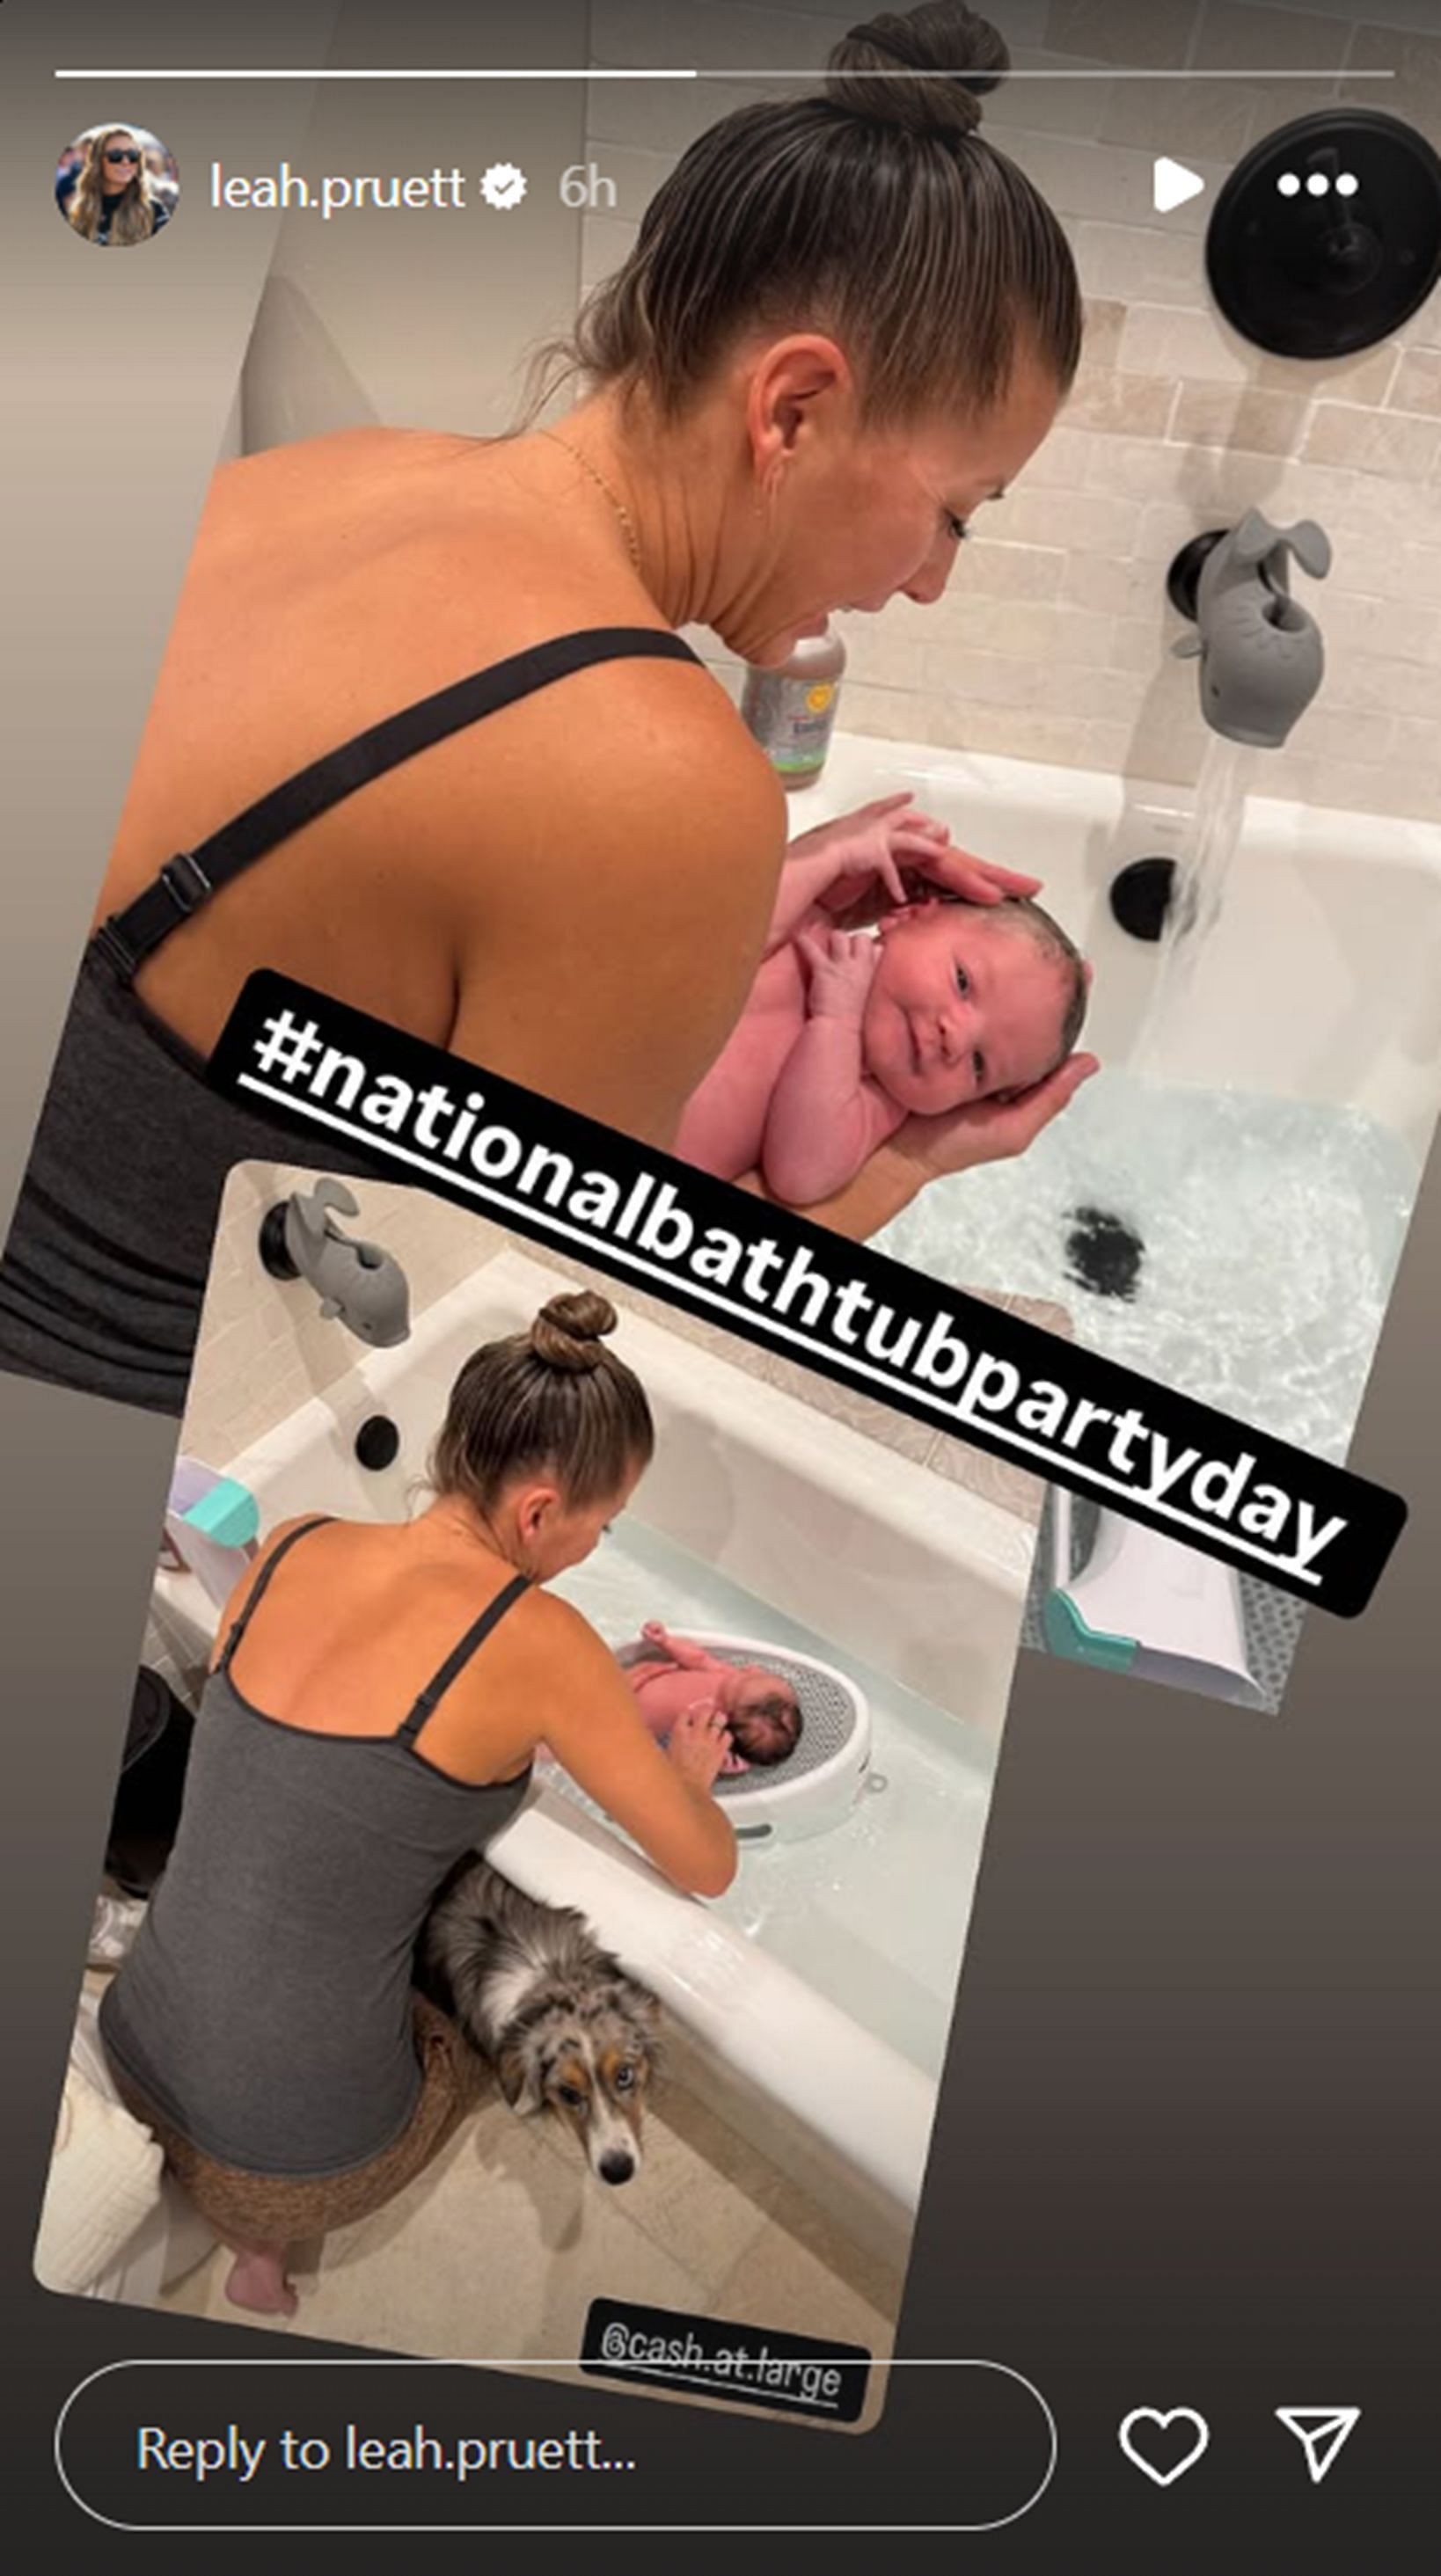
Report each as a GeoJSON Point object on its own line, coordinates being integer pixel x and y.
{"type": "Point", "coordinates": [928, 42]}
{"type": "Point", "coordinates": [568, 1331]}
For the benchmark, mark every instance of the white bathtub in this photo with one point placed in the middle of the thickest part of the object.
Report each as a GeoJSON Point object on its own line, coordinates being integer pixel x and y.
{"type": "Point", "coordinates": [1271, 1156]}
{"type": "Point", "coordinates": [917, 1579]}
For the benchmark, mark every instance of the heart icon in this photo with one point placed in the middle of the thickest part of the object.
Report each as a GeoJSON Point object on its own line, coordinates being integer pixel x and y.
{"type": "Point", "coordinates": [1149, 2424]}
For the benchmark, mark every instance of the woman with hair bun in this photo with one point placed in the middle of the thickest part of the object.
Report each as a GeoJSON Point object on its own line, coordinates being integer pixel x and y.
{"type": "Point", "coordinates": [114, 200]}
{"type": "Point", "coordinates": [846, 323]}
{"type": "Point", "coordinates": [375, 1700]}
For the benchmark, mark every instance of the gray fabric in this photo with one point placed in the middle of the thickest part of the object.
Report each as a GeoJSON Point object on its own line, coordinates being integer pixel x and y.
{"type": "Point", "coordinates": [104, 1271]}
{"type": "Point", "coordinates": [265, 2006]}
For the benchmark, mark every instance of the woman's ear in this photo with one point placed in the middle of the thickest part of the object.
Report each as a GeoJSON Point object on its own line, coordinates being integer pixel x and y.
{"type": "Point", "coordinates": [789, 383]}
{"type": "Point", "coordinates": [535, 1508]}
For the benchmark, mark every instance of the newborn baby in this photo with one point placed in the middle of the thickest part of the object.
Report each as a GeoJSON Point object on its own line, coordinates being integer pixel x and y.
{"type": "Point", "coordinates": [668, 1674]}
{"type": "Point", "coordinates": [845, 1035]}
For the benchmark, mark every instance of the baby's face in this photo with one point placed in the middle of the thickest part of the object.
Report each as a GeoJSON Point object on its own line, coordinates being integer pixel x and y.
{"type": "Point", "coordinates": [960, 1008]}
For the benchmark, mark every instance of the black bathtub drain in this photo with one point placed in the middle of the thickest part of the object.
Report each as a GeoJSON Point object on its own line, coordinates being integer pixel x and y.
{"type": "Point", "coordinates": [1103, 1254]}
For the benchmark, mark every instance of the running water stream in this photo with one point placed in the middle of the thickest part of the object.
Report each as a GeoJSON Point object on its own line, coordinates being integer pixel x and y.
{"type": "Point", "coordinates": [1199, 893]}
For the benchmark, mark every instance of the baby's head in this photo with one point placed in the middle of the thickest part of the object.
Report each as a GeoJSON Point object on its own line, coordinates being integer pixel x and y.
{"type": "Point", "coordinates": [971, 1000]}
{"type": "Point", "coordinates": [764, 1716]}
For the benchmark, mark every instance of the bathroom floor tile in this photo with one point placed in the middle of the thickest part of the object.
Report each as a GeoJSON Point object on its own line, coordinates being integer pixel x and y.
{"type": "Point", "coordinates": [780, 2286]}
{"type": "Point", "coordinates": [776, 2201]}
{"type": "Point", "coordinates": [497, 2251]}
{"type": "Point", "coordinates": [696, 2196]}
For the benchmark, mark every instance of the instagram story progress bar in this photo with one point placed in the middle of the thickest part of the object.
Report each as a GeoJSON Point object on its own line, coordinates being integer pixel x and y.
{"type": "Point", "coordinates": [808, 72]}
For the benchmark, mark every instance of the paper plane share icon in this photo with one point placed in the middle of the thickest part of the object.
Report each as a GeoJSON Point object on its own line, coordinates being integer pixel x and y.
{"type": "Point", "coordinates": [1172, 183]}
{"type": "Point", "coordinates": [1320, 2430]}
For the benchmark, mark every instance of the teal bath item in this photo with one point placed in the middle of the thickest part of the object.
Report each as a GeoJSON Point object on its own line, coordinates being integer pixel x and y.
{"type": "Point", "coordinates": [1067, 1633]}
{"type": "Point", "coordinates": [213, 1525]}
{"type": "Point", "coordinates": [227, 1513]}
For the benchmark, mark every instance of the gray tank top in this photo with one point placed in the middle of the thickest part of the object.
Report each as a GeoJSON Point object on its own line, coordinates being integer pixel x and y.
{"type": "Point", "coordinates": [265, 2007]}
{"type": "Point", "coordinates": [104, 1270]}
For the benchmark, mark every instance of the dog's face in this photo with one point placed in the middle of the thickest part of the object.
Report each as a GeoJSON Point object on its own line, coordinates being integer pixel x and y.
{"type": "Point", "coordinates": [590, 2060]}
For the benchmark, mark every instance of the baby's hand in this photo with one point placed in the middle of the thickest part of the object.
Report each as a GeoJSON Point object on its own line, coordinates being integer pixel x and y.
{"type": "Point", "coordinates": [842, 968]}
{"type": "Point", "coordinates": [733, 1762]}
{"type": "Point", "coordinates": [699, 1742]}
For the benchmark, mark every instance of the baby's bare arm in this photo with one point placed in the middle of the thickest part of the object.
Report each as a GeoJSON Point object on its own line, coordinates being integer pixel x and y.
{"type": "Point", "coordinates": [691, 1658]}
{"type": "Point", "coordinates": [826, 1114]}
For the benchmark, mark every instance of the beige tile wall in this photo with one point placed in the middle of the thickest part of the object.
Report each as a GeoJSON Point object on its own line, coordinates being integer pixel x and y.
{"type": "Point", "coordinates": [1053, 642]}
{"type": "Point", "coordinates": [264, 1351]}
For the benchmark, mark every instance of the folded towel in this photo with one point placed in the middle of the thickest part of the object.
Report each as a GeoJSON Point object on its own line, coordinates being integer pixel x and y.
{"type": "Point", "coordinates": [104, 2180]}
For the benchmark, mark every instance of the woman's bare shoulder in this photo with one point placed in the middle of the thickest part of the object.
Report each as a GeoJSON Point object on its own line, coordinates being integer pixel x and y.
{"type": "Point", "coordinates": [545, 1625]}
{"type": "Point", "coordinates": [608, 951]}
{"type": "Point", "coordinates": [368, 449]}
{"type": "Point", "coordinates": [668, 725]}
{"type": "Point", "coordinates": [546, 1659]}
{"type": "Point", "coordinates": [292, 506]}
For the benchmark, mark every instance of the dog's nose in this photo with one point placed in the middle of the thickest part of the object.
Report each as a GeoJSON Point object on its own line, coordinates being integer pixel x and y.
{"type": "Point", "coordinates": [617, 2166]}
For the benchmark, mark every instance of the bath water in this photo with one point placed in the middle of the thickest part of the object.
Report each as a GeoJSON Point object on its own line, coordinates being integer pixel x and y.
{"type": "Point", "coordinates": [872, 1912]}
{"type": "Point", "coordinates": [1269, 1229]}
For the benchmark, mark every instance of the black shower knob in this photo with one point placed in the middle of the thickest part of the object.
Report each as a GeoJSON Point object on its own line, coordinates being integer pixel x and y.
{"type": "Point", "coordinates": [1328, 234]}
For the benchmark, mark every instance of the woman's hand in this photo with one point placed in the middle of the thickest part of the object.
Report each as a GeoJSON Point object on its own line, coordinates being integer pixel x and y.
{"type": "Point", "coordinates": [699, 1742]}
{"type": "Point", "coordinates": [990, 1131]}
{"type": "Point", "coordinates": [886, 854]}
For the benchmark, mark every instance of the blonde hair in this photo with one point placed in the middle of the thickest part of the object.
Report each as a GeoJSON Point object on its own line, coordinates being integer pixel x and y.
{"type": "Point", "coordinates": [134, 217]}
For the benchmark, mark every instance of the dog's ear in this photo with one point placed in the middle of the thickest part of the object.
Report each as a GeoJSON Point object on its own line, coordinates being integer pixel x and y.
{"type": "Point", "coordinates": [644, 2007]}
{"type": "Point", "coordinates": [517, 2080]}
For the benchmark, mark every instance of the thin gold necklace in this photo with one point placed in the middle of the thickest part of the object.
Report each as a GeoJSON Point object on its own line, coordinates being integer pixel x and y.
{"type": "Point", "coordinates": [586, 467]}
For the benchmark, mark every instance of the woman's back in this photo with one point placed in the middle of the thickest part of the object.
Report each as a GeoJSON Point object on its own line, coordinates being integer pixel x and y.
{"type": "Point", "coordinates": [489, 888]}
{"type": "Point", "coordinates": [366, 1615]}
{"type": "Point", "coordinates": [265, 2006]}
{"type": "Point", "coordinates": [331, 585]}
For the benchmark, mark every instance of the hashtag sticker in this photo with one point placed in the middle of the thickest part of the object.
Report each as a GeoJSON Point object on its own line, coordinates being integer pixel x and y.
{"type": "Point", "coordinates": [287, 1046]}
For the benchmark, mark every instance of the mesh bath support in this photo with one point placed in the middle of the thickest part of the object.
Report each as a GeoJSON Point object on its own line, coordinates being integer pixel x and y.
{"type": "Point", "coordinates": [817, 1784]}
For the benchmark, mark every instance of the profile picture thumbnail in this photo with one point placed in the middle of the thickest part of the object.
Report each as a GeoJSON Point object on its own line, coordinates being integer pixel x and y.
{"type": "Point", "coordinates": [116, 185]}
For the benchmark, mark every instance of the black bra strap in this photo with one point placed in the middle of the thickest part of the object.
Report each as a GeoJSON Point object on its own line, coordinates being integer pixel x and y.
{"type": "Point", "coordinates": [190, 879]}
{"type": "Point", "coordinates": [459, 1656]}
{"type": "Point", "coordinates": [256, 1595]}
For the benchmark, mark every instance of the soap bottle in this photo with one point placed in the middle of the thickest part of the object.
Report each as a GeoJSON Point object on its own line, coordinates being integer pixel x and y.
{"type": "Point", "coordinates": [792, 710]}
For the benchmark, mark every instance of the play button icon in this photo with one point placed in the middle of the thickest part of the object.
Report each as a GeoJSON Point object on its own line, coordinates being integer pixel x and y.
{"type": "Point", "coordinates": [1172, 183]}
